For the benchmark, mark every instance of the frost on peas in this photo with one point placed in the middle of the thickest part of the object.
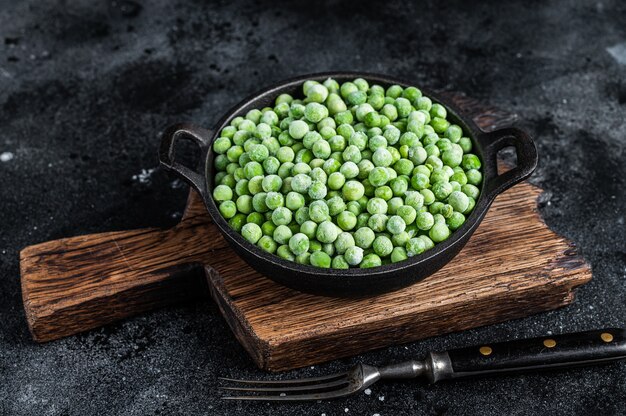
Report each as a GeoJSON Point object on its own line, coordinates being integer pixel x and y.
{"type": "Point", "coordinates": [343, 166]}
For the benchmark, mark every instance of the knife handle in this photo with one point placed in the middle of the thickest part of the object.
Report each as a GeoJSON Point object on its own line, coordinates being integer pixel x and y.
{"type": "Point", "coordinates": [524, 355]}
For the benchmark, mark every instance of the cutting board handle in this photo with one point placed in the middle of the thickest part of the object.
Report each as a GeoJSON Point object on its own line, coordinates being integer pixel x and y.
{"type": "Point", "coordinates": [78, 283]}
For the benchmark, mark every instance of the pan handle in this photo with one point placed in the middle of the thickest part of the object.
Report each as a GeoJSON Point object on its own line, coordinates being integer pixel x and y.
{"type": "Point", "coordinates": [198, 135]}
{"type": "Point", "coordinates": [527, 158]}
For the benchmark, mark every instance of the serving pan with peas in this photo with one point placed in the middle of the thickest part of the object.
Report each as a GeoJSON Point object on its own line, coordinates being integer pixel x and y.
{"type": "Point", "coordinates": [347, 183]}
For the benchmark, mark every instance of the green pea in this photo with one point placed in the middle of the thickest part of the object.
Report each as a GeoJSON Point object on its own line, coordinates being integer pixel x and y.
{"type": "Point", "coordinates": [398, 254]}
{"type": "Point", "coordinates": [320, 259]}
{"type": "Point", "coordinates": [299, 244]}
{"type": "Point", "coordinates": [439, 232]}
{"type": "Point", "coordinates": [371, 260]}
{"type": "Point", "coordinates": [228, 209]}
{"type": "Point", "coordinates": [339, 262]}
{"type": "Point", "coordinates": [327, 232]}
{"type": "Point", "coordinates": [470, 190]}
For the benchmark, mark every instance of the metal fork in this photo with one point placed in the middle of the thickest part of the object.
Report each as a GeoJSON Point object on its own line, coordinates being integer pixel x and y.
{"type": "Point", "coordinates": [532, 354]}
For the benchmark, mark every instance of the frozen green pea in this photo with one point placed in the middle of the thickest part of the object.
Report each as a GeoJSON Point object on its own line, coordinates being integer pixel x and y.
{"type": "Point", "coordinates": [384, 192]}
{"type": "Point", "coordinates": [353, 255]}
{"type": "Point", "coordinates": [252, 169]}
{"type": "Point", "coordinates": [344, 241]}
{"type": "Point", "coordinates": [424, 221]}
{"type": "Point", "coordinates": [298, 128]}
{"type": "Point", "coordinates": [266, 243]}
{"type": "Point", "coordinates": [377, 222]}
{"type": "Point", "coordinates": [466, 144]}
{"type": "Point", "coordinates": [237, 222]}
{"type": "Point", "coordinates": [245, 204]}
{"type": "Point", "coordinates": [302, 215]}
{"type": "Point", "coordinates": [455, 221]}
{"type": "Point", "coordinates": [336, 105]}
{"type": "Point", "coordinates": [364, 237]}
{"type": "Point", "coordinates": [221, 145]}
{"type": "Point", "coordinates": [377, 206]}
{"type": "Point", "coordinates": [371, 260]}
{"type": "Point", "coordinates": [339, 262]}
{"type": "Point", "coordinates": [395, 224]}
{"type": "Point", "coordinates": [415, 246]}
{"type": "Point", "coordinates": [285, 154]}
{"type": "Point", "coordinates": [337, 143]}
{"type": "Point", "coordinates": [400, 239]}
{"type": "Point", "coordinates": [241, 188]}
{"type": "Point", "coordinates": [470, 190]}
{"type": "Point", "coordinates": [255, 185]}
{"type": "Point", "coordinates": [474, 177]}
{"type": "Point", "coordinates": [317, 190]}
{"type": "Point", "coordinates": [327, 232]}
{"type": "Point", "coordinates": [459, 177]}
{"type": "Point", "coordinates": [258, 152]}
{"type": "Point", "coordinates": [353, 190]}
{"type": "Point", "coordinates": [329, 249]}
{"type": "Point", "coordinates": [282, 234]}
{"type": "Point", "coordinates": [299, 244]}
{"type": "Point", "coordinates": [294, 201]}
{"type": "Point", "coordinates": [251, 232]}
{"type": "Point", "coordinates": [417, 155]}
{"type": "Point", "coordinates": [336, 205]}
{"type": "Point", "coordinates": [470, 207]}
{"type": "Point", "coordinates": [442, 190]}
{"type": "Point", "coordinates": [320, 259]}
{"type": "Point", "coordinates": [301, 183]}
{"type": "Point", "coordinates": [317, 93]}
{"type": "Point", "coordinates": [439, 232]}
{"type": "Point", "coordinates": [274, 200]}
{"type": "Point", "coordinates": [382, 157]}
{"type": "Point", "coordinates": [458, 201]}
{"type": "Point", "coordinates": [454, 133]}
{"type": "Point", "coordinates": [318, 174]}
{"type": "Point", "coordinates": [382, 246]}
{"type": "Point", "coordinates": [393, 204]}
{"type": "Point", "coordinates": [398, 254]}
{"type": "Point", "coordinates": [376, 141]}
{"type": "Point", "coordinates": [309, 228]}
{"type": "Point", "coordinates": [315, 112]}
{"type": "Point", "coordinates": [304, 258]}
{"type": "Point", "coordinates": [281, 216]}
{"type": "Point", "coordinates": [362, 219]}
{"type": "Point", "coordinates": [284, 253]}
{"type": "Point", "coordinates": [435, 207]}
{"type": "Point", "coordinates": [271, 183]}
{"type": "Point", "coordinates": [319, 211]}
{"type": "Point", "coordinates": [327, 132]}
{"type": "Point", "coordinates": [270, 165]}
{"type": "Point", "coordinates": [346, 220]}
{"type": "Point", "coordinates": [268, 228]}
{"type": "Point", "coordinates": [222, 193]}
{"type": "Point", "coordinates": [228, 209]}
{"type": "Point", "coordinates": [420, 181]}
{"type": "Point", "coordinates": [321, 149]}
{"type": "Point", "coordinates": [263, 130]}
{"type": "Point", "coordinates": [378, 176]}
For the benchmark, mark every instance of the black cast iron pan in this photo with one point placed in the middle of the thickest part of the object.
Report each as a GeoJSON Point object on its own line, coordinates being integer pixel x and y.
{"type": "Point", "coordinates": [351, 282]}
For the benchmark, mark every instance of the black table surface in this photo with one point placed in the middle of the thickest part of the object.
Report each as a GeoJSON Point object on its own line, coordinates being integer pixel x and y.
{"type": "Point", "coordinates": [86, 87]}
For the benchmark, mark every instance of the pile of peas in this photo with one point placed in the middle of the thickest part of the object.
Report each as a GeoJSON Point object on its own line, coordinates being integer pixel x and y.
{"type": "Point", "coordinates": [352, 175]}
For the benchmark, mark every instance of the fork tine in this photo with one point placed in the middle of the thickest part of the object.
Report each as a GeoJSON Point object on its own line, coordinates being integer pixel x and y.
{"type": "Point", "coordinates": [306, 387]}
{"type": "Point", "coordinates": [296, 397]}
{"type": "Point", "coordinates": [287, 382]}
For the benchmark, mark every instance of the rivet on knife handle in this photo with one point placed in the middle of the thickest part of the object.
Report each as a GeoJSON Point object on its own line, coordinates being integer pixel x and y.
{"type": "Point", "coordinates": [554, 351]}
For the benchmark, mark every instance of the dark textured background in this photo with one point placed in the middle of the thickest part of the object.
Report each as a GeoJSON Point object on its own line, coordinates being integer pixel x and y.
{"type": "Point", "coordinates": [85, 88]}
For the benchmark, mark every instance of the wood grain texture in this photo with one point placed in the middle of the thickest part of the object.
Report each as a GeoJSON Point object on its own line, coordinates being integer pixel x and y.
{"type": "Point", "coordinates": [512, 267]}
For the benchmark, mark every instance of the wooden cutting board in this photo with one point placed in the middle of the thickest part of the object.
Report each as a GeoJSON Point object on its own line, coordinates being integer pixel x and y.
{"type": "Point", "coordinates": [512, 267]}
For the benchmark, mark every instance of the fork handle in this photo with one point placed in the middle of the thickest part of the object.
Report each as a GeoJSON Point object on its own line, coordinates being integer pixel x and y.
{"type": "Point", "coordinates": [554, 351]}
